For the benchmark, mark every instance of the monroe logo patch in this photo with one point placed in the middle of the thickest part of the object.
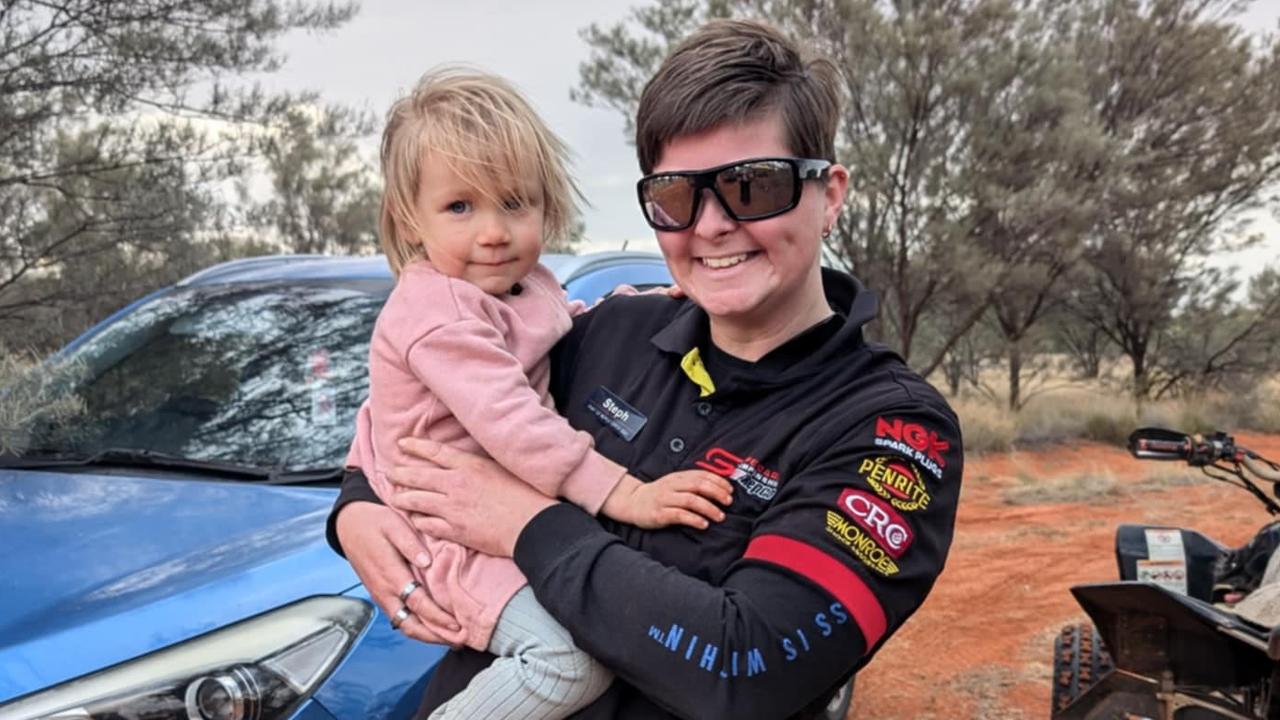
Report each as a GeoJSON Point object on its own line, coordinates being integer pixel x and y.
{"type": "Point", "coordinates": [860, 543]}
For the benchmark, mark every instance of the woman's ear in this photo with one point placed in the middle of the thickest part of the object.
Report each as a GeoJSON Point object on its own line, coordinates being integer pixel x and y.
{"type": "Point", "coordinates": [836, 189]}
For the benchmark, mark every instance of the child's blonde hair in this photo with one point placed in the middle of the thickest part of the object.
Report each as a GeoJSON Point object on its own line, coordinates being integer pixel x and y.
{"type": "Point", "coordinates": [491, 138]}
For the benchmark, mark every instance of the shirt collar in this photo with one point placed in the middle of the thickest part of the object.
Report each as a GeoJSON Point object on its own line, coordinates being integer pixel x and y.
{"type": "Point", "coordinates": [690, 327]}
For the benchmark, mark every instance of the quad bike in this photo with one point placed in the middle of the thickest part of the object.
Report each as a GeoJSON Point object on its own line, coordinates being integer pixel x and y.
{"type": "Point", "coordinates": [1193, 630]}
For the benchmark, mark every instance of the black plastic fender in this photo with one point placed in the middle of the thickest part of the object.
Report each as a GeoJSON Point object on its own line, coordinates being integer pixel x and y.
{"type": "Point", "coordinates": [1148, 630]}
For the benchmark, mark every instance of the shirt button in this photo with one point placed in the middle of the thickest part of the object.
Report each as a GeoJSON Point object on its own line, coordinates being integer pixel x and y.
{"type": "Point", "coordinates": [676, 445]}
{"type": "Point", "coordinates": [703, 408]}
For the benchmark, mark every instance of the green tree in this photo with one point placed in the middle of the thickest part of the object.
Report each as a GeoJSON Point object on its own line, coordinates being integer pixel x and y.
{"type": "Point", "coordinates": [1189, 108]}
{"type": "Point", "coordinates": [1218, 341]}
{"type": "Point", "coordinates": [1026, 129]}
{"type": "Point", "coordinates": [120, 125]}
{"type": "Point", "coordinates": [325, 193]}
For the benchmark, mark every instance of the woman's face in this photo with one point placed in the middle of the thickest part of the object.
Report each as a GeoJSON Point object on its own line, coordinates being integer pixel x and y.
{"type": "Point", "coordinates": [759, 273]}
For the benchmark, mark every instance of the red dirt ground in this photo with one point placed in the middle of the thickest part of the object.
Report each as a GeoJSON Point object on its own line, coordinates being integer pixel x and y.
{"type": "Point", "coordinates": [980, 647]}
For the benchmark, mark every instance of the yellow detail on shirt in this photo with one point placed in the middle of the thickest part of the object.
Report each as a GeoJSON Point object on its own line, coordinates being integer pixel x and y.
{"type": "Point", "coordinates": [692, 365]}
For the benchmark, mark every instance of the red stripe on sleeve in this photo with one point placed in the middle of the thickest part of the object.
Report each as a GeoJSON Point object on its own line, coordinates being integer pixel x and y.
{"type": "Point", "coordinates": [830, 574]}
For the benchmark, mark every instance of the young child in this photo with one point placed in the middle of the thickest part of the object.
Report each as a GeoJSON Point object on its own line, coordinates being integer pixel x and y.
{"type": "Point", "coordinates": [474, 181]}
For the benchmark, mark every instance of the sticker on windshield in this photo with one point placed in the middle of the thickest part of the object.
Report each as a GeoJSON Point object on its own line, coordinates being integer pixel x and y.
{"type": "Point", "coordinates": [323, 404]}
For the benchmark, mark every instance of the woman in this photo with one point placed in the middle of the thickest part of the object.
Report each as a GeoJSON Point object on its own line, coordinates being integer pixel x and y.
{"type": "Point", "coordinates": [846, 465]}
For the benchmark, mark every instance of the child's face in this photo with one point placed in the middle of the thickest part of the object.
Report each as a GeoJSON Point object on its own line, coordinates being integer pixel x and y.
{"type": "Point", "coordinates": [491, 244]}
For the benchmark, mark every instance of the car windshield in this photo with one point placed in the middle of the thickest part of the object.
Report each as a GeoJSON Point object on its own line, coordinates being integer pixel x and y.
{"type": "Point", "coordinates": [265, 375]}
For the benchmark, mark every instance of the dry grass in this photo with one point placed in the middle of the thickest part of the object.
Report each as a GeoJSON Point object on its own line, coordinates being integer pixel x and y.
{"type": "Point", "coordinates": [1072, 488]}
{"type": "Point", "coordinates": [1109, 415]}
{"type": "Point", "coordinates": [1093, 485]}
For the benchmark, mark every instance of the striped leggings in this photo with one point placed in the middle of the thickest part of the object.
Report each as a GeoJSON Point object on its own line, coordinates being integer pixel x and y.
{"type": "Point", "coordinates": [539, 674]}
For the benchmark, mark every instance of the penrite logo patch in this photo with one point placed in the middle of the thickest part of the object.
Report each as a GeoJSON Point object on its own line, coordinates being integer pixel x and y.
{"type": "Point", "coordinates": [747, 473]}
{"type": "Point", "coordinates": [860, 543]}
{"type": "Point", "coordinates": [875, 516]}
{"type": "Point", "coordinates": [897, 481]}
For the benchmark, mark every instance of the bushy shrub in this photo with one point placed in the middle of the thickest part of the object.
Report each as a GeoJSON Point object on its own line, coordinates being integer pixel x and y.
{"type": "Point", "coordinates": [1112, 429]}
{"type": "Point", "coordinates": [34, 392]}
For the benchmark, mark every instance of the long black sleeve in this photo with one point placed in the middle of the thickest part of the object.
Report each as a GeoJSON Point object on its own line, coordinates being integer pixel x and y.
{"type": "Point", "coordinates": [830, 571]}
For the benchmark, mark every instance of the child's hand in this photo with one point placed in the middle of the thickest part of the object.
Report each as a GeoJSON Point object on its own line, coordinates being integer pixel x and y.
{"type": "Point", "coordinates": [671, 291]}
{"type": "Point", "coordinates": [679, 498]}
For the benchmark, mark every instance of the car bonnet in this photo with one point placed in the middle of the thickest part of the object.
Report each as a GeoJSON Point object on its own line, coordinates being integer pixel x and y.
{"type": "Point", "coordinates": [96, 569]}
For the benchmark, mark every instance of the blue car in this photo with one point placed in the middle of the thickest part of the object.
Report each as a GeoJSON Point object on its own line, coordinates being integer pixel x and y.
{"type": "Point", "coordinates": [162, 550]}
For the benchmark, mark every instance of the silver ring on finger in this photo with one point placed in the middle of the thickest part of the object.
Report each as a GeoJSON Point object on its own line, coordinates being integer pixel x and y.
{"type": "Point", "coordinates": [408, 590]}
{"type": "Point", "coordinates": [398, 619]}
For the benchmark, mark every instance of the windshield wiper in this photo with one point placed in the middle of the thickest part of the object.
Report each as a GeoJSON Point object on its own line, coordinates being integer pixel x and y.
{"type": "Point", "coordinates": [132, 457]}
{"type": "Point", "coordinates": [305, 477]}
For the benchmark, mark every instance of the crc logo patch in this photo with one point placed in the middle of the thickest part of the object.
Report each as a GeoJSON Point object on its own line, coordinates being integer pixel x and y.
{"type": "Point", "coordinates": [857, 541]}
{"type": "Point", "coordinates": [914, 441]}
{"type": "Point", "coordinates": [875, 516]}
{"type": "Point", "coordinates": [897, 481]}
{"type": "Point", "coordinates": [747, 473]}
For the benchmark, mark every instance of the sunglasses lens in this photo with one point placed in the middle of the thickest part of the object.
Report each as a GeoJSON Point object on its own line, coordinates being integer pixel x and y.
{"type": "Point", "coordinates": [758, 189]}
{"type": "Point", "coordinates": [668, 201]}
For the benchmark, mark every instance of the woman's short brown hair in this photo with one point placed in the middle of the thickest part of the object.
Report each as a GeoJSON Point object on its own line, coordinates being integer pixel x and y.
{"type": "Point", "coordinates": [733, 71]}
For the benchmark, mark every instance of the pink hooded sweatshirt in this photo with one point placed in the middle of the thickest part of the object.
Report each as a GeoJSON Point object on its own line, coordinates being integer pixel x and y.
{"type": "Point", "coordinates": [454, 364]}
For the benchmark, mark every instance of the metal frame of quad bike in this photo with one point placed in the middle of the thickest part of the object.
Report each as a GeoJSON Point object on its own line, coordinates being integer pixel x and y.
{"type": "Point", "coordinates": [1175, 654]}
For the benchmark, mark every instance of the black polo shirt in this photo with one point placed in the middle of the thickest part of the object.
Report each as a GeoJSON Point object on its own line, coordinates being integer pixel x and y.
{"type": "Point", "coordinates": [846, 467]}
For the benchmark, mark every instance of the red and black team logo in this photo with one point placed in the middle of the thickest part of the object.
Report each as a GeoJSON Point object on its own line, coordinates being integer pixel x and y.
{"type": "Point", "coordinates": [747, 473]}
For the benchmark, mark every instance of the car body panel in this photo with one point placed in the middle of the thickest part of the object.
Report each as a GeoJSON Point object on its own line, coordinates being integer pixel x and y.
{"type": "Point", "coordinates": [146, 557]}
{"type": "Point", "coordinates": [104, 565]}
{"type": "Point", "coordinates": [382, 676]}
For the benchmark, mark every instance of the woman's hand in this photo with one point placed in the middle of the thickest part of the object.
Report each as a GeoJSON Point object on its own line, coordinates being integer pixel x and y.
{"type": "Point", "coordinates": [466, 498]}
{"type": "Point", "coordinates": [378, 544]}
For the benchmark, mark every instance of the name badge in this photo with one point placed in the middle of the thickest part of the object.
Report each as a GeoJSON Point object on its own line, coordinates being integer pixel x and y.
{"type": "Point", "coordinates": [616, 413]}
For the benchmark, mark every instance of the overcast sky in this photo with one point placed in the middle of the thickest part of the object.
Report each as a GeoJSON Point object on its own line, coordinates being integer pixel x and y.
{"type": "Point", "coordinates": [378, 55]}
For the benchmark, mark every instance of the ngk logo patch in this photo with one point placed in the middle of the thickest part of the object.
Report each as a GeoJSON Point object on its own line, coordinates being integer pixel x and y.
{"type": "Point", "coordinates": [897, 481]}
{"type": "Point", "coordinates": [883, 522]}
{"type": "Point", "coordinates": [914, 441]}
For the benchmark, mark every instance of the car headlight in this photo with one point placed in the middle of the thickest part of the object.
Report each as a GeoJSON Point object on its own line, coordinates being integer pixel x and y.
{"type": "Point", "coordinates": [258, 669]}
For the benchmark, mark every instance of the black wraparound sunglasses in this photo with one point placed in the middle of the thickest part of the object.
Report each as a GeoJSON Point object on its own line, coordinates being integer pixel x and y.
{"type": "Point", "coordinates": [752, 189]}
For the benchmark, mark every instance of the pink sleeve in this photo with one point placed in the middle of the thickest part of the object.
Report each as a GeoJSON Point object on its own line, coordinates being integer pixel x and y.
{"type": "Point", "coordinates": [467, 366]}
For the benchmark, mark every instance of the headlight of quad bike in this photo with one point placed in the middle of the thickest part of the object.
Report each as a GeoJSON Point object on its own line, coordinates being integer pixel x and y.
{"type": "Point", "coordinates": [259, 669]}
